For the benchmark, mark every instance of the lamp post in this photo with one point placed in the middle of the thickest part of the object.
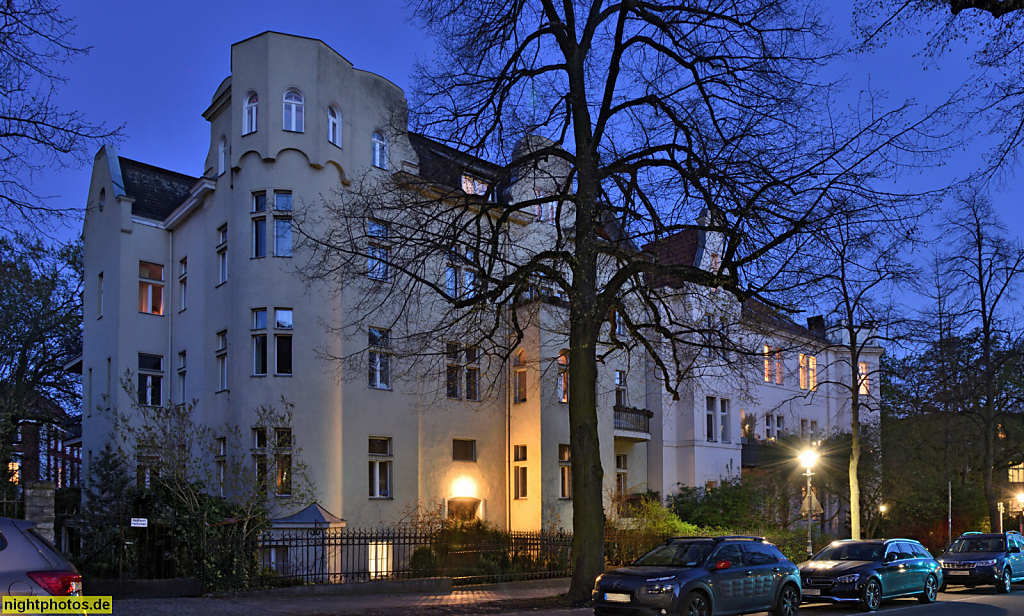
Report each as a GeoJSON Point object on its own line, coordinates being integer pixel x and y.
{"type": "Point", "coordinates": [1002, 510]}
{"type": "Point", "coordinates": [807, 460]}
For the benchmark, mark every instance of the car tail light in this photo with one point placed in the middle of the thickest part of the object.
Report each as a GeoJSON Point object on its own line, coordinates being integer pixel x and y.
{"type": "Point", "coordinates": [58, 583]}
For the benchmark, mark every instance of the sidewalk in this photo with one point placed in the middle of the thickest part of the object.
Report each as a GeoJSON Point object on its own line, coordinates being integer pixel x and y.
{"type": "Point", "coordinates": [460, 601]}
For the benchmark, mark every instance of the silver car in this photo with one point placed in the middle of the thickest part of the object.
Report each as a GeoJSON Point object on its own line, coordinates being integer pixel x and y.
{"type": "Point", "coordinates": [30, 565]}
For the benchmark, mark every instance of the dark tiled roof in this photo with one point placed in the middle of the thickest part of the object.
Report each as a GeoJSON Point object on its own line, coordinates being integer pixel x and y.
{"type": "Point", "coordinates": [677, 249]}
{"type": "Point", "coordinates": [157, 192]}
{"type": "Point", "coordinates": [763, 314]}
{"type": "Point", "coordinates": [444, 165]}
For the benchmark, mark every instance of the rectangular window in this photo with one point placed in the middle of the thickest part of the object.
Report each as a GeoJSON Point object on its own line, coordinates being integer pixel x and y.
{"type": "Point", "coordinates": [812, 373]}
{"type": "Point", "coordinates": [519, 453]}
{"type": "Point", "coordinates": [780, 425]}
{"type": "Point", "coordinates": [99, 295]}
{"type": "Point", "coordinates": [222, 254]}
{"type": "Point", "coordinates": [472, 373]}
{"type": "Point", "coordinates": [620, 388]}
{"type": "Point", "coordinates": [803, 371]}
{"type": "Point", "coordinates": [814, 427]}
{"type": "Point", "coordinates": [259, 237]}
{"type": "Point", "coordinates": [473, 186]}
{"type": "Point", "coordinates": [151, 288]}
{"type": "Point", "coordinates": [726, 421]}
{"type": "Point", "coordinates": [377, 262]}
{"type": "Point", "coordinates": [283, 201]}
{"type": "Point", "coordinates": [183, 283]}
{"type": "Point", "coordinates": [259, 354]}
{"type": "Point", "coordinates": [283, 438]}
{"type": "Point", "coordinates": [1016, 473]}
{"type": "Point", "coordinates": [379, 352]}
{"type": "Point", "coordinates": [222, 360]}
{"type": "Point", "coordinates": [463, 450]}
{"type": "Point", "coordinates": [564, 471]}
{"type": "Point", "coordinates": [283, 318]}
{"type": "Point", "coordinates": [150, 379]}
{"type": "Point", "coordinates": [863, 372]}
{"type": "Point", "coordinates": [182, 392]}
{"type": "Point", "coordinates": [804, 424]}
{"type": "Point", "coordinates": [453, 370]}
{"type": "Point", "coordinates": [769, 425]}
{"type": "Point", "coordinates": [380, 467]}
{"type": "Point", "coordinates": [773, 365]}
{"type": "Point", "coordinates": [621, 474]}
{"type": "Point", "coordinates": [710, 416]}
{"type": "Point", "coordinates": [259, 201]}
{"type": "Point", "coordinates": [563, 379]}
{"type": "Point", "coordinates": [282, 237]}
{"type": "Point", "coordinates": [221, 458]}
{"type": "Point", "coordinates": [519, 383]}
{"type": "Point", "coordinates": [519, 484]}
{"type": "Point", "coordinates": [282, 354]}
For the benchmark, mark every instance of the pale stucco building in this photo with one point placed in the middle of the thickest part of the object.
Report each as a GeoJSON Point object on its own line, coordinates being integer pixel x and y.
{"type": "Point", "coordinates": [191, 285]}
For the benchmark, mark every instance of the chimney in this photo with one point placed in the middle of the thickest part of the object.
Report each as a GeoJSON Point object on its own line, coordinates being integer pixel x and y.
{"type": "Point", "coordinates": [816, 325]}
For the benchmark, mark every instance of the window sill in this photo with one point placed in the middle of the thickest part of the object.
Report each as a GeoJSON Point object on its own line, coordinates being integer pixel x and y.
{"type": "Point", "coordinates": [283, 495]}
{"type": "Point", "coordinates": [252, 132]}
{"type": "Point", "coordinates": [565, 498]}
{"type": "Point", "coordinates": [258, 376]}
{"type": "Point", "coordinates": [384, 498]}
{"type": "Point", "coordinates": [284, 375]}
{"type": "Point", "coordinates": [254, 257]}
{"type": "Point", "coordinates": [222, 391]}
{"type": "Point", "coordinates": [380, 388]}
{"type": "Point", "coordinates": [290, 130]}
{"type": "Point", "coordinates": [220, 284]}
{"type": "Point", "coordinates": [153, 314]}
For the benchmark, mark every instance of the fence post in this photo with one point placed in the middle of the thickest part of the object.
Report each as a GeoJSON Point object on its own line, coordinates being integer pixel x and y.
{"type": "Point", "coordinates": [39, 506]}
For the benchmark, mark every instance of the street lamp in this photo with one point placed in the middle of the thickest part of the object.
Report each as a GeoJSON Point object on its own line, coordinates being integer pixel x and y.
{"type": "Point", "coordinates": [807, 460]}
{"type": "Point", "coordinates": [882, 508]}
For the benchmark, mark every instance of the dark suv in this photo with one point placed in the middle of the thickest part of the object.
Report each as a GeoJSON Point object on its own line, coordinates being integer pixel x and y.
{"type": "Point", "coordinates": [989, 558]}
{"type": "Point", "coordinates": [702, 577]}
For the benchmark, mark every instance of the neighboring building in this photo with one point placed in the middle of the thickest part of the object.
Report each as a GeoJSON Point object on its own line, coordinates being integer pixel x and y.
{"type": "Point", "coordinates": [190, 285]}
{"type": "Point", "coordinates": [45, 449]}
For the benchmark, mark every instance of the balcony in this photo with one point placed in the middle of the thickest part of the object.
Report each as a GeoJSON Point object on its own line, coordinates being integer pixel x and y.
{"type": "Point", "coordinates": [633, 423]}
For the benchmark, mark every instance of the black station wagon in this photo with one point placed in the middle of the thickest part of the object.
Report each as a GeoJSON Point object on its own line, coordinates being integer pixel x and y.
{"type": "Point", "coordinates": [702, 577]}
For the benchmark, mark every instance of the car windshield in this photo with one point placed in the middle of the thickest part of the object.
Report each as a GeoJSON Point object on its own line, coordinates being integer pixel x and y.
{"type": "Point", "coordinates": [851, 551]}
{"type": "Point", "coordinates": [978, 544]}
{"type": "Point", "coordinates": [681, 554]}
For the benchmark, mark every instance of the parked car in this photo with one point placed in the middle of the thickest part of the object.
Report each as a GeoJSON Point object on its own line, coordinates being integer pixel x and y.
{"type": "Point", "coordinates": [989, 558]}
{"type": "Point", "coordinates": [868, 572]}
{"type": "Point", "coordinates": [702, 577]}
{"type": "Point", "coordinates": [30, 565]}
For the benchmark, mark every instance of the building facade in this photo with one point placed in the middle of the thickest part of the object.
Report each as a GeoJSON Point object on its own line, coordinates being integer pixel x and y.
{"type": "Point", "coordinates": [192, 295]}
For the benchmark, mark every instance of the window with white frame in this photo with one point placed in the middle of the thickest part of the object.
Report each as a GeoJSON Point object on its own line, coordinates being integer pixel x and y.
{"type": "Point", "coordinates": [182, 369]}
{"type": "Point", "coordinates": [150, 374]}
{"type": "Point", "coordinates": [460, 278]}
{"type": "Point", "coordinates": [377, 250]}
{"type": "Point", "coordinates": [453, 370]}
{"type": "Point", "coordinates": [463, 450]}
{"type": "Point", "coordinates": [282, 200]}
{"type": "Point", "coordinates": [380, 150]}
{"type": "Point", "coordinates": [772, 364]}
{"type": "Point", "coordinates": [283, 460]}
{"type": "Point", "coordinates": [259, 341]}
{"type": "Point", "coordinates": [812, 373]}
{"type": "Point", "coordinates": [151, 288]}
{"type": "Point", "coordinates": [780, 425]}
{"type": "Point", "coordinates": [183, 283]}
{"type": "Point", "coordinates": [472, 373]}
{"type": "Point", "coordinates": [380, 467]}
{"type": "Point", "coordinates": [769, 426]}
{"type": "Point", "coordinates": [222, 254]}
{"type": "Point", "coordinates": [725, 423]}
{"type": "Point", "coordinates": [293, 108]}
{"type": "Point", "coordinates": [380, 555]}
{"type": "Point", "coordinates": [546, 209]}
{"type": "Point", "coordinates": [222, 155]}
{"type": "Point", "coordinates": [259, 457]}
{"type": "Point", "coordinates": [259, 201]}
{"type": "Point", "coordinates": [1016, 473]}
{"type": "Point", "coordinates": [621, 474]}
{"type": "Point", "coordinates": [621, 397]}
{"type": "Point", "coordinates": [282, 341]}
{"type": "Point", "coordinates": [519, 376]}
{"type": "Point", "coordinates": [379, 352]}
{"type": "Point", "coordinates": [519, 472]}
{"type": "Point", "coordinates": [863, 373]}
{"type": "Point", "coordinates": [804, 426]}
{"type": "Point", "coordinates": [334, 125]}
{"type": "Point", "coordinates": [563, 376]}
{"type": "Point", "coordinates": [711, 419]}
{"type": "Point", "coordinates": [564, 471]}
{"type": "Point", "coordinates": [282, 236]}
{"type": "Point", "coordinates": [250, 111]}
{"type": "Point", "coordinates": [222, 360]}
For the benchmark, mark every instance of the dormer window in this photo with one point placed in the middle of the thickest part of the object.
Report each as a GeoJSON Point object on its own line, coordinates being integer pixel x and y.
{"type": "Point", "coordinates": [334, 125]}
{"type": "Point", "coordinates": [380, 150]}
{"type": "Point", "coordinates": [293, 110]}
{"type": "Point", "coordinates": [474, 186]}
{"type": "Point", "coordinates": [249, 117]}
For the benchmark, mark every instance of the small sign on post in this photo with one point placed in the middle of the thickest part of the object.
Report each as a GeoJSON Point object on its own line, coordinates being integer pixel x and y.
{"type": "Point", "coordinates": [140, 522]}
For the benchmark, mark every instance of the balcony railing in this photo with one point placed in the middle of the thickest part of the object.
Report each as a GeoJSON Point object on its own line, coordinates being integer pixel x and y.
{"type": "Point", "coordinates": [637, 420]}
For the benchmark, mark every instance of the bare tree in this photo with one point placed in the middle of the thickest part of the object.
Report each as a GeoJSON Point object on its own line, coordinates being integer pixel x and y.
{"type": "Point", "coordinates": [35, 134]}
{"type": "Point", "coordinates": [987, 268]}
{"type": "Point", "coordinates": [609, 128]}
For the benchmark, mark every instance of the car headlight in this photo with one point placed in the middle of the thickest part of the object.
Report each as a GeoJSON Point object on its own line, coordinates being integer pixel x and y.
{"type": "Point", "coordinates": [848, 579]}
{"type": "Point", "coordinates": [597, 582]}
{"type": "Point", "coordinates": [660, 589]}
{"type": "Point", "coordinates": [986, 563]}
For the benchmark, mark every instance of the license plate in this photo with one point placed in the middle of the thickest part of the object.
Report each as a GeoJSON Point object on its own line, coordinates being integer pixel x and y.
{"type": "Point", "coordinates": [812, 592]}
{"type": "Point", "coordinates": [616, 597]}
{"type": "Point", "coordinates": [955, 572]}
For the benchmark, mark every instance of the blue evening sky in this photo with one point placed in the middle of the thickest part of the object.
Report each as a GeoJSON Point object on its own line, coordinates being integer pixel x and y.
{"type": "Point", "coordinates": [154, 67]}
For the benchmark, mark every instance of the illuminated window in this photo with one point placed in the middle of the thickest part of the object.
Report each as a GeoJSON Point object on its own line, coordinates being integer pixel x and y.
{"type": "Point", "coordinates": [1016, 473]}
{"type": "Point", "coordinates": [151, 288]}
{"type": "Point", "coordinates": [519, 472]}
{"type": "Point", "coordinates": [380, 555]}
{"type": "Point", "coordinates": [380, 358]}
{"type": "Point", "coordinates": [150, 379]}
{"type": "Point", "coordinates": [772, 365]}
{"type": "Point", "coordinates": [808, 372]}
{"type": "Point", "coordinates": [519, 377]}
{"type": "Point", "coordinates": [564, 471]}
{"type": "Point", "coordinates": [563, 376]}
{"type": "Point", "coordinates": [283, 438]}
{"type": "Point", "coordinates": [474, 186]}
{"type": "Point", "coordinates": [865, 383]}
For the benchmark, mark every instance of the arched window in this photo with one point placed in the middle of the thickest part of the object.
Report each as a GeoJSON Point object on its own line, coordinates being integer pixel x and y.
{"type": "Point", "coordinates": [563, 376]}
{"type": "Point", "coordinates": [222, 155]}
{"type": "Point", "coordinates": [334, 125]}
{"type": "Point", "coordinates": [249, 122]}
{"type": "Point", "coordinates": [380, 151]}
{"type": "Point", "coordinates": [293, 107]}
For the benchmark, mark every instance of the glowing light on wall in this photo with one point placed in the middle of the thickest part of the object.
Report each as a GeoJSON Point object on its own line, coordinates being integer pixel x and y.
{"type": "Point", "coordinates": [464, 486]}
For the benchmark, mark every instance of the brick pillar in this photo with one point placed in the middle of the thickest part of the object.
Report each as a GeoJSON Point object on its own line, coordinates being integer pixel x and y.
{"type": "Point", "coordinates": [39, 506]}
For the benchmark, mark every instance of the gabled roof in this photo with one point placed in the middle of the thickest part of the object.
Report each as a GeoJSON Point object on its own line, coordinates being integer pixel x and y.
{"type": "Point", "coordinates": [678, 249]}
{"type": "Point", "coordinates": [156, 191]}
{"type": "Point", "coordinates": [314, 514]}
{"type": "Point", "coordinates": [444, 165]}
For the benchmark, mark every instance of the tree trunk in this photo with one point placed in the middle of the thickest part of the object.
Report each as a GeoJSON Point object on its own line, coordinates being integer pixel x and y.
{"type": "Point", "coordinates": [990, 489]}
{"type": "Point", "coordinates": [854, 480]}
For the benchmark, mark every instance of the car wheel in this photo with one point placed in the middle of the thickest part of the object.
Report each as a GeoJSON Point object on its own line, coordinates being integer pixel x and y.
{"type": "Point", "coordinates": [931, 590]}
{"type": "Point", "coordinates": [871, 596]}
{"type": "Point", "coordinates": [788, 603]}
{"type": "Point", "coordinates": [695, 604]}
{"type": "Point", "coordinates": [1003, 584]}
